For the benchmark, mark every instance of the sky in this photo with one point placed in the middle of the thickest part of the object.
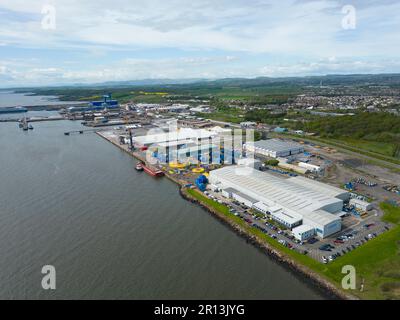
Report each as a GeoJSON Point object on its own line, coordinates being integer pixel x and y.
{"type": "Point", "coordinates": [54, 42]}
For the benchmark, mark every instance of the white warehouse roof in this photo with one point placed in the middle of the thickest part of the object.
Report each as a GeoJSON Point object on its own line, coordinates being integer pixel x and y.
{"type": "Point", "coordinates": [277, 145]}
{"type": "Point", "coordinates": [320, 187]}
{"type": "Point", "coordinates": [302, 229]}
{"type": "Point", "coordinates": [179, 135]}
{"type": "Point", "coordinates": [290, 195]}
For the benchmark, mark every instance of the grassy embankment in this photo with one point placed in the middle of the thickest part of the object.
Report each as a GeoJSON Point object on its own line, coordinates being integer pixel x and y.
{"type": "Point", "coordinates": [376, 150]}
{"type": "Point", "coordinates": [377, 262]}
{"type": "Point", "coordinates": [382, 148]}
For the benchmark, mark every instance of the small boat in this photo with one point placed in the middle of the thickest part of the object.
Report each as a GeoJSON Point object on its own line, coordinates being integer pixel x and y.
{"type": "Point", "coordinates": [30, 127]}
{"type": "Point", "coordinates": [139, 166]}
{"type": "Point", "coordinates": [24, 124]}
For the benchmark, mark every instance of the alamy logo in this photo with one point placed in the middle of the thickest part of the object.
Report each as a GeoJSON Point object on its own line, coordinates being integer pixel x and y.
{"type": "Point", "coordinates": [349, 280]}
{"type": "Point", "coordinates": [186, 145]}
{"type": "Point", "coordinates": [49, 18]}
{"type": "Point", "coordinates": [349, 21]}
{"type": "Point", "coordinates": [49, 280]}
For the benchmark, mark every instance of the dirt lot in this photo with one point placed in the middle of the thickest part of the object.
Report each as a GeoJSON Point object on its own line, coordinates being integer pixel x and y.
{"type": "Point", "coordinates": [344, 168]}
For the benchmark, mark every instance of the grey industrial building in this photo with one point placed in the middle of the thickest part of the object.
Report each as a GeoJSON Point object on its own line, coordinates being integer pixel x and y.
{"type": "Point", "coordinates": [274, 148]}
{"type": "Point", "coordinates": [292, 201]}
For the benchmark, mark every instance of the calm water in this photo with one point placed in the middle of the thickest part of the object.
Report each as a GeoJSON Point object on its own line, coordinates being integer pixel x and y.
{"type": "Point", "coordinates": [10, 99]}
{"type": "Point", "coordinates": [77, 203]}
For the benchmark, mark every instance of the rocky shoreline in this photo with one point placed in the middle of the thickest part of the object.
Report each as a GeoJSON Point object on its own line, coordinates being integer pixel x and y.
{"type": "Point", "coordinates": [305, 274]}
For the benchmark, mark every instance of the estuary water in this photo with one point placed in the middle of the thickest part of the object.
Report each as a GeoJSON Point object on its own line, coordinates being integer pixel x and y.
{"type": "Point", "coordinates": [8, 98]}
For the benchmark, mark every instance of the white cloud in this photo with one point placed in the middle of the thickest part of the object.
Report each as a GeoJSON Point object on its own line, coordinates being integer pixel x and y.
{"type": "Point", "coordinates": [289, 31]}
{"type": "Point", "coordinates": [256, 26]}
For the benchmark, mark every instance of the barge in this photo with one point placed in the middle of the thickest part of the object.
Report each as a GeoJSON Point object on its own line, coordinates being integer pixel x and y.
{"type": "Point", "coordinates": [152, 171]}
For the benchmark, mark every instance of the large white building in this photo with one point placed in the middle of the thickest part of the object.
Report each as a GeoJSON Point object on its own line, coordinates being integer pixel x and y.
{"type": "Point", "coordinates": [291, 201]}
{"type": "Point", "coordinates": [274, 148]}
{"type": "Point", "coordinates": [182, 135]}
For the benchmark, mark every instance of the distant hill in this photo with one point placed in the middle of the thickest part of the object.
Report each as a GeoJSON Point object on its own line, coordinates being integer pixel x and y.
{"type": "Point", "coordinates": [326, 80]}
{"type": "Point", "coordinates": [332, 80]}
{"type": "Point", "coordinates": [202, 86]}
{"type": "Point", "coordinates": [353, 79]}
{"type": "Point", "coordinates": [146, 82]}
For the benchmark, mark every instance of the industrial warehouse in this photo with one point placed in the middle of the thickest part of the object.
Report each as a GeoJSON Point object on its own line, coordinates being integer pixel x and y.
{"type": "Point", "coordinates": [282, 197]}
{"type": "Point", "coordinates": [307, 207]}
{"type": "Point", "coordinates": [274, 148]}
{"type": "Point", "coordinates": [190, 145]}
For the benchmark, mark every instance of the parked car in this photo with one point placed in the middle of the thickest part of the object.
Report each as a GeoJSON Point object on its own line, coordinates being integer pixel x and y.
{"type": "Point", "coordinates": [325, 247]}
{"type": "Point", "coordinates": [312, 240]}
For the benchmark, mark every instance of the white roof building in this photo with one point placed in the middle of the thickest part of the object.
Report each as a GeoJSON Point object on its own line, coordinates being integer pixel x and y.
{"type": "Point", "coordinates": [321, 187]}
{"type": "Point", "coordinates": [314, 203]}
{"type": "Point", "coordinates": [309, 166]}
{"type": "Point", "coordinates": [181, 134]}
{"type": "Point", "coordinates": [274, 148]}
{"type": "Point", "coordinates": [249, 162]}
{"type": "Point", "coordinates": [303, 232]}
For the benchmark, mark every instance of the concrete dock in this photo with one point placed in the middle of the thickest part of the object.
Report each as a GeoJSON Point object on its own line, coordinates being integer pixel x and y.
{"type": "Point", "coordinates": [35, 119]}
{"type": "Point", "coordinates": [111, 137]}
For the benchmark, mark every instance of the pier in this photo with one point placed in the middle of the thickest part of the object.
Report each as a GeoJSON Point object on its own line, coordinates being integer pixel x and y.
{"type": "Point", "coordinates": [67, 133]}
{"type": "Point", "coordinates": [35, 119]}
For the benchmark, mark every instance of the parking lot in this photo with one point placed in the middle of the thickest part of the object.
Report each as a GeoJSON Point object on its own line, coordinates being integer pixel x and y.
{"type": "Point", "coordinates": [348, 239]}
{"type": "Point", "coordinates": [355, 232]}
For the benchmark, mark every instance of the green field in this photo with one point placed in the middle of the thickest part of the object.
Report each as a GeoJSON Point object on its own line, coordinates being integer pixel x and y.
{"type": "Point", "coordinates": [377, 262]}
{"type": "Point", "coordinates": [392, 214]}
{"type": "Point", "coordinates": [384, 148]}
{"type": "Point", "coordinates": [375, 133]}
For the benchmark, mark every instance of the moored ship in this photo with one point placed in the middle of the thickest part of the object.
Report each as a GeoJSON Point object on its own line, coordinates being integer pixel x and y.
{"type": "Point", "coordinates": [152, 171]}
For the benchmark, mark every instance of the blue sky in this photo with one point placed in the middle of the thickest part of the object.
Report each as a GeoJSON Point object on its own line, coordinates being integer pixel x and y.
{"type": "Point", "coordinates": [104, 40]}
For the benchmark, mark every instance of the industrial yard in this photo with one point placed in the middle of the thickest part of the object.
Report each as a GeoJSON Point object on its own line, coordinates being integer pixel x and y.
{"type": "Point", "coordinates": [308, 200]}
{"type": "Point", "coordinates": [200, 150]}
{"type": "Point", "coordinates": [191, 158]}
{"type": "Point", "coordinates": [319, 205]}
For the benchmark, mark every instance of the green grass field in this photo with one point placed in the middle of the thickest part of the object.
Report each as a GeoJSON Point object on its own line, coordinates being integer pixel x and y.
{"type": "Point", "coordinates": [392, 214]}
{"type": "Point", "coordinates": [377, 262]}
{"type": "Point", "coordinates": [384, 148]}
{"type": "Point", "coordinates": [226, 114]}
